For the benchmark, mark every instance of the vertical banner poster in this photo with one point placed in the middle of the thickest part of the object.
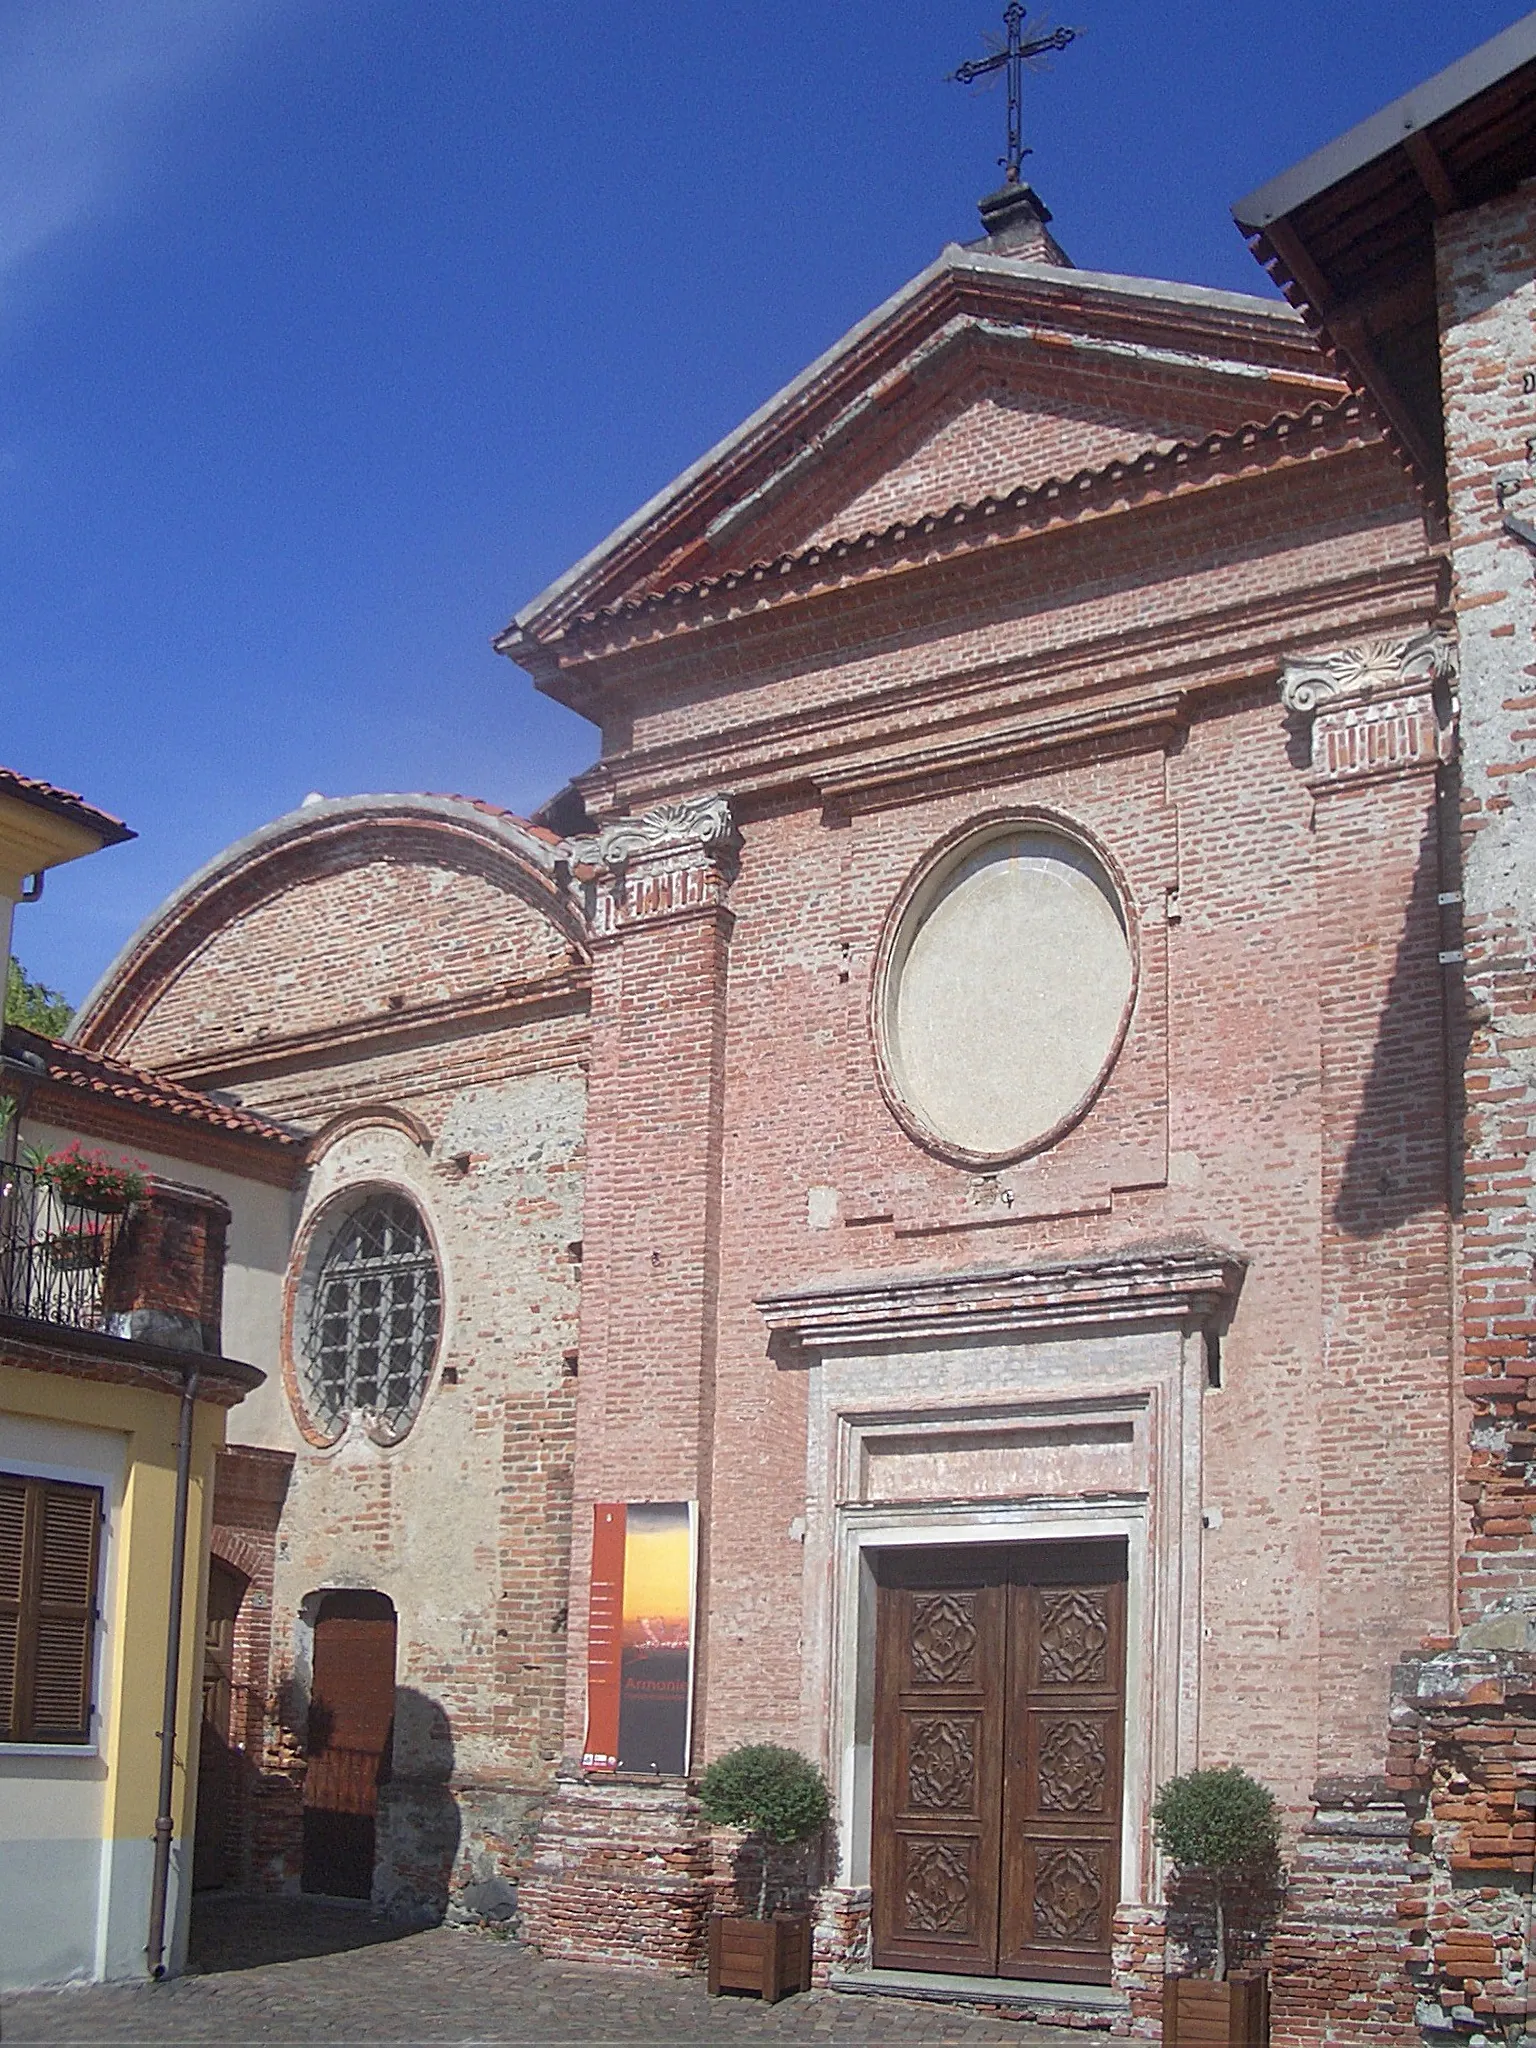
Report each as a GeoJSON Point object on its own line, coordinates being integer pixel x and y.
{"type": "Point", "coordinates": [640, 1637]}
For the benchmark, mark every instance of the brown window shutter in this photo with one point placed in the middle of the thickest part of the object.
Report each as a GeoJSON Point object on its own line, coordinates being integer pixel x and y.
{"type": "Point", "coordinates": [48, 1563]}
{"type": "Point", "coordinates": [13, 1521]}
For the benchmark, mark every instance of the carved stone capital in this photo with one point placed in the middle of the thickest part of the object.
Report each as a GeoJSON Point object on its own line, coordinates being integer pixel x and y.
{"type": "Point", "coordinates": [695, 825]}
{"type": "Point", "coordinates": [678, 857]}
{"type": "Point", "coordinates": [1418, 660]}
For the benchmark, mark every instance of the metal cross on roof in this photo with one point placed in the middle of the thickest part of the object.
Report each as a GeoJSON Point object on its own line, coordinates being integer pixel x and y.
{"type": "Point", "coordinates": [1015, 55]}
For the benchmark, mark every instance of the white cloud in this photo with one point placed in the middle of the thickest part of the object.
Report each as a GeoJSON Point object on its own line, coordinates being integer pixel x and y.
{"type": "Point", "coordinates": [81, 82]}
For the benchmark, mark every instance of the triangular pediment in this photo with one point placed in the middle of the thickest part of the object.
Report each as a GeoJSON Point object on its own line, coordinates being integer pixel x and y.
{"type": "Point", "coordinates": [1003, 417]}
{"type": "Point", "coordinates": [983, 376]}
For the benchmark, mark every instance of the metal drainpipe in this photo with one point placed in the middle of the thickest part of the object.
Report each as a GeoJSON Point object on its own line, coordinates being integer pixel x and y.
{"type": "Point", "coordinates": [164, 1818]}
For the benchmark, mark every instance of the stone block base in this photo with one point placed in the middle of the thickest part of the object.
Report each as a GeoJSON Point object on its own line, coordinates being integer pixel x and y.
{"type": "Point", "coordinates": [620, 1873]}
{"type": "Point", "coordinates": [453, 1851]}
{"type": "Point", "coordinates": [840, 1939]}
{"type": "Point", "coordinates": [1336, 1965]}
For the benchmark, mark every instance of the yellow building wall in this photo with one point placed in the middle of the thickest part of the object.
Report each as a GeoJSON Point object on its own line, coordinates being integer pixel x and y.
{"type": "Point", "coordinates": [131, 1676]}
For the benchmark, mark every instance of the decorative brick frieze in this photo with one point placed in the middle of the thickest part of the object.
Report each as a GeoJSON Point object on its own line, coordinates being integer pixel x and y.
{"type": "Point", "coordinates": [636, 897]}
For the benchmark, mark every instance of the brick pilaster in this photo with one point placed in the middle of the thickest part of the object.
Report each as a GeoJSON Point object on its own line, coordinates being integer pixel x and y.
{"type": "Point", "coordinates": [1384, 1501]}
{"type": "Point", "coordinates": [653, 1174]}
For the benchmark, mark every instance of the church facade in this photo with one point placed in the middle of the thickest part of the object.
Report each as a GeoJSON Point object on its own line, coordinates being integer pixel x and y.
{"type": "Point", "coordinates": [1022, 1222]}
{"type": "Point", "coordinates": [956, 1099]}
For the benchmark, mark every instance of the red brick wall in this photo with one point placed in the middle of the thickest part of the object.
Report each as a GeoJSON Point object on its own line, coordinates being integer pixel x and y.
{"type": "Point", "coordinates": [1486, 261]}
{"type": "Point", "coordinates": [165, 1278]}
{"type": "Point", "coordinates": [1281, 1088]}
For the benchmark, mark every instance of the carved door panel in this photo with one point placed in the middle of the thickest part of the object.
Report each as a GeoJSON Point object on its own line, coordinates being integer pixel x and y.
{"type": "Point", "coordinates": [940, 1663]}
{"type": "Point", "coordinates": [999, 1733]}
{"type": "Point", "coordinates": [1062, 1776]}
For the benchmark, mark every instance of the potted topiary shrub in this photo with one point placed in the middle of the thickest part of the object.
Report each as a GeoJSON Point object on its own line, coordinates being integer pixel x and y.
{"type": "Point", "coordinates": [1222, 1829]}
{"type": "Point", "coordinates": [779, 1798]}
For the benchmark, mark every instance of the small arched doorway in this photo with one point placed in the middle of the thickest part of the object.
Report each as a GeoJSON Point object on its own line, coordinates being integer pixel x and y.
{"type": "Point", "coordinates": [214, 1857]}
{"type": "Point", "coordinates": [351, 1712]}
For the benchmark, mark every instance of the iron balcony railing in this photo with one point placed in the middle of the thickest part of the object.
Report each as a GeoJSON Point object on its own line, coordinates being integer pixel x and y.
{"type": "Point", "coordinates": [54, 1252]}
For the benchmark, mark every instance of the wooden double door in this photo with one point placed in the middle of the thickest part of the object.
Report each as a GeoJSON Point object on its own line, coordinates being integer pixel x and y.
{"type": "Point", "coordinates": [998, 1763]}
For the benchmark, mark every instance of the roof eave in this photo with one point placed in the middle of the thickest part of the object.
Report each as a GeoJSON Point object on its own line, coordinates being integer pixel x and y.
{"type": "Point", "coordinates": [1351, 152]}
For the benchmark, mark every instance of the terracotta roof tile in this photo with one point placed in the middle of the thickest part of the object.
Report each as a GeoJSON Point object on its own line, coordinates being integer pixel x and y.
{"type": "Point", "coordinates": [480, 803]}
{"type": "Point", "coordinates": [96, 1073]}
{"type": "Point", "coordinates": [1168, 463]}
{"type": "Point", "coordinates": [64, 804]}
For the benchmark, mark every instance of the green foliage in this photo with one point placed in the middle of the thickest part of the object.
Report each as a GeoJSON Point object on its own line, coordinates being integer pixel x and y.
{"type": "Point", "coordinates": [34, 1007]}
{"type": "Point", "coordinates": [1219, 1822]}
{"type": "Point", "coordinates": [1222, 1826]}
{"type": "Point", "coordinates": [775, 1793]}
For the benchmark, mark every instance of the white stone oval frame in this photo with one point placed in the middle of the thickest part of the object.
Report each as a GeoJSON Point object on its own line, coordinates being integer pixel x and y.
{"type": "Point", "coordinates": [303, 1263]}
{"type": "Point", "coordinates": [928, 872]}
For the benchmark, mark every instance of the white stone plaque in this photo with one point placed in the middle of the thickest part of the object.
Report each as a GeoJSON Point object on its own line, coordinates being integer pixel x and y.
{"type": "Point", "coordinates": [1006, 993]}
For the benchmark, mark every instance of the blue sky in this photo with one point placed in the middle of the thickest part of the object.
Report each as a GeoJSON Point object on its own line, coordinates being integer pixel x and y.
{"type": "Point", "coordinates": [332, 330]}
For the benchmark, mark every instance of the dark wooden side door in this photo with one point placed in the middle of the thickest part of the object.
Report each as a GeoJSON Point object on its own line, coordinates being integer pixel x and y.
{"type": "Point", "coordinates": [999, 1734]}
{"type": "Point", "coordinates": [217, 1760]}
{"type": "Point", "coordinates": [940, 1663]}
{"type": "Point", "coordinates": [1062, 1774]}
{"type": "Point", "coordinates": [351, 1709]}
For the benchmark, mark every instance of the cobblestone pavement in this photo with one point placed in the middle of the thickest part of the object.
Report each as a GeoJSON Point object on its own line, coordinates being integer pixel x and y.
{"type": "Point", "coordinates": [281, 1972]}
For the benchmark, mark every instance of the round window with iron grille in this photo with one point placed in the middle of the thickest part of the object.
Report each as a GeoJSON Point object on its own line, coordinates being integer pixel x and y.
{"type": "Point", "coordinates": [368, 1318]}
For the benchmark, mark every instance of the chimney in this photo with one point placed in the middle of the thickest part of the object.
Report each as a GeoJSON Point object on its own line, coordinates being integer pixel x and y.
{"type": "Point", "coordinates": [1015, 217]}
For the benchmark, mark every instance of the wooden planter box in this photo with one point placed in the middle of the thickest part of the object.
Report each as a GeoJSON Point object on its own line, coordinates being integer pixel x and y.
{"type": "Point", "coordinates": [1198, 2013]}
{"type": "Point", "coordinates": [770, 1957]}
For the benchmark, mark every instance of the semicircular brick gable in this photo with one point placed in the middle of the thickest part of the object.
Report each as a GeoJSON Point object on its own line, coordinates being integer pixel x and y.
{"type": "Point", "coordinates": [342, 947]}
{"type": "Point", "coordinates": [370, 934]}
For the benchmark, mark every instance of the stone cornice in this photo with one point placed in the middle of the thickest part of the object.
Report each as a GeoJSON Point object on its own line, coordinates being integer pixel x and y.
{"type": "Point", "coordinates": [1188, 1285]}
{"type": "Point", "coordinates": [1101, 684]}
{"type": "Point", "coordinates": [1375, 707]}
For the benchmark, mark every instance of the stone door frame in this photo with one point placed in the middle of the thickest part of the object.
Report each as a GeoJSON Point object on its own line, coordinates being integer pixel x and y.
{"type": "Point", "coordinates": [1038, 1404]}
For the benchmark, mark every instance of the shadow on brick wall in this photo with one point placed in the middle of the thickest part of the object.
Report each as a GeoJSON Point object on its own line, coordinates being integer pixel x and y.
{"type": "Point", "coordinates": [418, 1817]}
{"type": "Point", "coordinates": [1396, 1164]}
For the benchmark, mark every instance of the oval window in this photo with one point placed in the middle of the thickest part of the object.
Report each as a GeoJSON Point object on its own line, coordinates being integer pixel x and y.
{"type": "Point", "coordinates": [368, 1316]}
{"type": "Point", "coordinates": [1005, 993]}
